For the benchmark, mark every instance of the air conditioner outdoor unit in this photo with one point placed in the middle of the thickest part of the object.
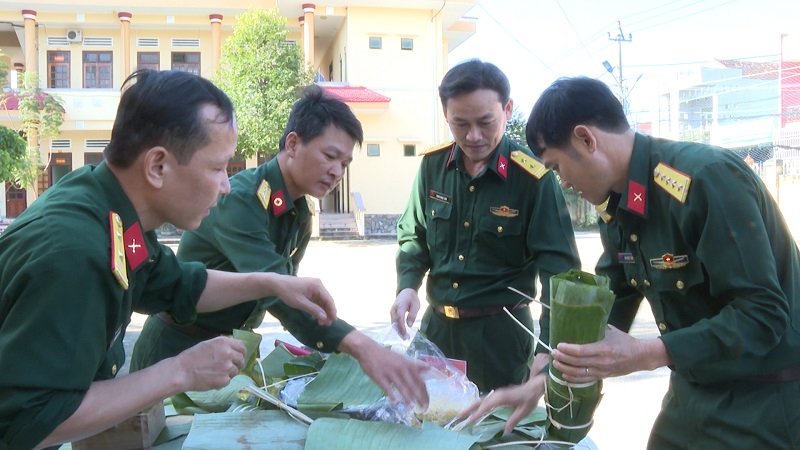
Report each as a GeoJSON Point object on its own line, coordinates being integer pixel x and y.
{"type": "Point", "coordinates": [74, 36]}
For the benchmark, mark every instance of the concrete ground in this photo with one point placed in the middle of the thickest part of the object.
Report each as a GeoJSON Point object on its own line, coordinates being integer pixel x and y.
{"type": "Point", "coordinates": [361, 277]}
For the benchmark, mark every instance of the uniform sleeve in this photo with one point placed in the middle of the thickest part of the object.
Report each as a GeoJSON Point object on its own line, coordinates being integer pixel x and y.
{"type": "Point", "coordinates": [727, 220]}
{"type": "Point", "coordinates": [413, 258]}
{"type": "Point", "coordinates": [169, 285]}
{"type": "Point", "coordinates": [242, 232]}
{"type": "Point", "coordinates": [54, 337]}
{"type": "Point", "coordinates": [551, 241]}
{"type": "Point", "coordinates": [305, 328]}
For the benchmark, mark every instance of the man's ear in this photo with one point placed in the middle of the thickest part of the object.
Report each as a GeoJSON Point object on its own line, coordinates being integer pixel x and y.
{"type": "Point", "coordinates": [509, 109]}
{"type": "Point", "coordinates": [584, 139]}
{"type": "Point", "coordinates": [156, 165]}
{"type": "Point", "coordinates": [291, 144]}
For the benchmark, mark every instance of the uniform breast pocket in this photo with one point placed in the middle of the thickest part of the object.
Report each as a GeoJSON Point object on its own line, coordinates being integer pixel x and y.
{"type": "Point", "coordinates": [437, 216]}
{"type": "Point", "coordinates": [677, 280]}
{"type": "Point", "coordinates": [501, 240]}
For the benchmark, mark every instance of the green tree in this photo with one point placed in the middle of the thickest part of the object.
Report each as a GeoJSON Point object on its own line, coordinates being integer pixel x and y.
{"type": "Point", "coordinates": [262, 73]}
{"type": "Point", "coordinates": [40, 115]}
{"type": "Point", "coordinates": [13, 154]}
{"type": "Point", "coordinates": [515, 128]}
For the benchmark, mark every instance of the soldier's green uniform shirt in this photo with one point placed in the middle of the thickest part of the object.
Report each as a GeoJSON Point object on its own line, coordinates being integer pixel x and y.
{"type": "Point", "coordinates": [244, 234]}
{"type": "Point", "coordinates": [475, 237]}
{"type": "Point", "coordinates": [63, 312]}
{"type": "Point", "coordinates": [712, 254]}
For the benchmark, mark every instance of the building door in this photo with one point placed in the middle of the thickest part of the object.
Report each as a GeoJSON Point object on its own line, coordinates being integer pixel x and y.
{"type": "Point", "coordinates": [15, 201]}
{"type": "Point", "coordinates": [60, 165]}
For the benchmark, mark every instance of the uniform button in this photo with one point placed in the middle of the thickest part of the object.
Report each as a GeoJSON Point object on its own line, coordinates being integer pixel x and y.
{"type": "Point", "coordinates": [320, 344]}
{"type": "Point", "coordinates": [661, 326]}
{"type": "Point", "coordinates": [466, 224]}
{"type": "Point", "coordinates": [460, 257]}
{"type": "Point", "coordinates": [679, 284]}
{"type": "Point", "coordinates": [433, 212]}
{"type": "Point", "coordinates": [114, 369]}
{"type": "Point", "coordinates": [634, 238]}
{"type": "Point", "coordinates": [647, 283]}
{"type": "Point", "coordinates": [455, 285]}
{"type": "Point", "coordinates": [499, 229]}
{"type": "Point", "coordinates": [472, 188]}
{"type": "Point", "coordinates": [633, 282]}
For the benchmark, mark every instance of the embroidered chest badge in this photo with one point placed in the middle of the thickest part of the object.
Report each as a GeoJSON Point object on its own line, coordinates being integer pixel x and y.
{"type": "Point", "coordinates": [669, 261]}
{"type": "Point", "coordinates": [503, 211]}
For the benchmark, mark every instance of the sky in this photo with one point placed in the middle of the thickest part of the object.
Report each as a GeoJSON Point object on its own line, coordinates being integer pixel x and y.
{"type": "Point", "coordinates": [536, 41]}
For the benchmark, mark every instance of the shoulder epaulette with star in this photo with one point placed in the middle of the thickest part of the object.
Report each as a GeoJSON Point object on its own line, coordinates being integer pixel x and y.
{"type": "Point", "coordinates": [437, 148]}
{"type": "Point", "coordinates": [676, 183]}
{"type": "Point", "coordinates": [529, 164]}
{"type": "Point", "coordinates": [311, 206]}
{"type": "Point", "coordinates": [263, 193]}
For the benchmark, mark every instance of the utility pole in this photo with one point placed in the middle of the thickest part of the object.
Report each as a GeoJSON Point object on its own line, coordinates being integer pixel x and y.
{"type": "Point", "coordinates": [620, 38]}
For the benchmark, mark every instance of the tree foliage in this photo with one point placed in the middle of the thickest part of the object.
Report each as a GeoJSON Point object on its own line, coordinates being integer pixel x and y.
{"type": "Point", "coordinates": [41, 114]}
{"type": "Point", "coordinates": [515, 128]}
{"type": "Point", "coordinates": [262, 73]}
{"type": "Point", "coordinates": [13, 152]}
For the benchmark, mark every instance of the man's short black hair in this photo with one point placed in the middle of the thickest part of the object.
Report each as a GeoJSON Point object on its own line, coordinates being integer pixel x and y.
{"type": "Point", "coordinates": [570, 102]}
{"type": "Point", "coordinates": [312, 114]}
{"type": "Point", "coordinates": [162, 108]}
{"type": "Point", "coordinates": [471, 75]}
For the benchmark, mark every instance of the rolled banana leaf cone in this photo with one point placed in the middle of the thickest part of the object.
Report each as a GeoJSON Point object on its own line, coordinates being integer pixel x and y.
{"type": "Point", "coordinates": [580, 304]}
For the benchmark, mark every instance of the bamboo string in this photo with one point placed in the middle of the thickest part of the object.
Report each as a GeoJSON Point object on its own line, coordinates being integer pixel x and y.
{"type": "Point", "coordinates": [535, 338]}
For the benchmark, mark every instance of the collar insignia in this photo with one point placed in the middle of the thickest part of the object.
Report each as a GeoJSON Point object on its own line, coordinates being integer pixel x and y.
{"type": "Point", "coordinates": [502, 166]}
{"type": "Point", "coordinates": [278, 203]}
{"type": "Point", "coordinates": [636, 197]}
{"type": "Point", "coordinates": [135, 248]}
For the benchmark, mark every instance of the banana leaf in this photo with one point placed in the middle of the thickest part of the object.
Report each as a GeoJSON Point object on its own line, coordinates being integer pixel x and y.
{"type": "Point", "coordinates": [249, 430]}
{"type": "Point", "coordinates": [352, 434]}
{"type": "Point", "coordinates": [580, 304]}
{"type": "Point", "coordinates": [251, 341]}
{"type": "Point", "coordinates": [219, 400]}
{"type": "Point", "coordinates": [340, 384]}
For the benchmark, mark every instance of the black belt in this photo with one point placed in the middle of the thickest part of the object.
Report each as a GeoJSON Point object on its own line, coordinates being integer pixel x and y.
{"type": "Point", "coordinates": [194, 331]}
{"type": "Point", "coordinates": [791, 373]}
{"type": "Point", "coordinates": [454, 312]}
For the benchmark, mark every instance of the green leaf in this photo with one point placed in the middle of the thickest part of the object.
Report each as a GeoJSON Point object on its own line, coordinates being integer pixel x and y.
{"type": "Point", "coordinates": [340, 382]}
{"type": "Point", "coordinates": [273, 363]}
{"type": "Point", "coordinates": [539, 414]}
{"type": "Point", "coordinates": [245, 430]}
{"type": "Point", "coordinates": [219, 400]}
{"type": "Point", "coordinates": [351, 434]}
{"type": "Point", "coordinates": [303, 365]}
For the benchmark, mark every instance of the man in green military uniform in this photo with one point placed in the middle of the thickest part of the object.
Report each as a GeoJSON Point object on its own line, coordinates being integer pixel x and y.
{"type": "Point", "coordinates": [264, 225]}
{"type": "Point", "coordinates": [484, 215]}
{"type": "Point", "coordinates": [693, 229]}
{"type": "Point", "coordinates": [83, 256]}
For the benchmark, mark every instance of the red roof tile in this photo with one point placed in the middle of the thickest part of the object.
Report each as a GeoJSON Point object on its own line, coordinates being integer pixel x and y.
{"type": "Point", "coordinates": [355, 94]}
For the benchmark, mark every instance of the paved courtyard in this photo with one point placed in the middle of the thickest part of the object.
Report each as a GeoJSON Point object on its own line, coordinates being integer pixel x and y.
{"type": "Point", "coordinates": [361, 277]}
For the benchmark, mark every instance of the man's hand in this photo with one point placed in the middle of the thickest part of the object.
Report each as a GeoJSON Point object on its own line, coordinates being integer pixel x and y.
{"type": "Point", "coordinates": [522, 399]}
{"type": "Point", "coordinates": [390, 370]}
{"type": "Point", "coordinates": [210, 364]}
{"type": "Point", "coordinates": [309, 295]}
{"type": "Point", "coordinates": [404, 311]}
{"type": "Point", "coordinates": [617, 354]}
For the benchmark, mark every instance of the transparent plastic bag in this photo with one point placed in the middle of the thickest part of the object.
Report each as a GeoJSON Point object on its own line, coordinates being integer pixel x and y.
{"type": "Point", "coordinates": [449, 390]}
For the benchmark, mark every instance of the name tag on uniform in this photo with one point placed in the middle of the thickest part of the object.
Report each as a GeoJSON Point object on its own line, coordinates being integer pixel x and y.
{"type": "Point", "coordinates": [626, 258]}
{"type": "Point", "coordinates": [439, 196]}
